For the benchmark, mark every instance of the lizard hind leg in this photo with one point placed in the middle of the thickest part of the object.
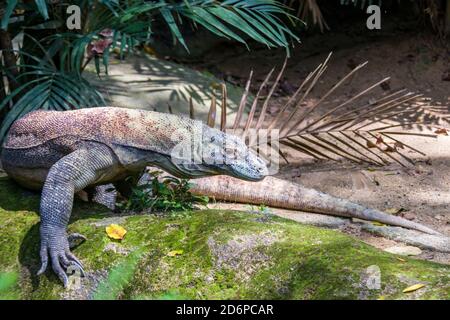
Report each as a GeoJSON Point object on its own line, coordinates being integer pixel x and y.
{"type": "Point", "coordinates": [72, 173]}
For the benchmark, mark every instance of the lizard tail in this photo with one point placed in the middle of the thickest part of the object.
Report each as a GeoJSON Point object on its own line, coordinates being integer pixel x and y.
{"type": "Point", "coordinates": [288, 195]}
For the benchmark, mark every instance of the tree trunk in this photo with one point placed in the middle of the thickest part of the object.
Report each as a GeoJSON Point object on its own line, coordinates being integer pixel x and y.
{"type": "Point", "coordinates": [9, 59]}
{"type": "Point", "coordinates": [2, 85]}
{"type": "Point", "coordinates": [2, 94]}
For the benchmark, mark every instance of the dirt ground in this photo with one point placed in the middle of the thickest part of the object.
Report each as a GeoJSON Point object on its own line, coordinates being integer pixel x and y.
{"type": "Point", "coordinates": [420, 63]}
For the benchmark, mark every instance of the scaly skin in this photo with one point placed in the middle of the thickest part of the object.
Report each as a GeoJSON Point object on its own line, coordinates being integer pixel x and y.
{"type": "Point", "coordinates": [66, 152]}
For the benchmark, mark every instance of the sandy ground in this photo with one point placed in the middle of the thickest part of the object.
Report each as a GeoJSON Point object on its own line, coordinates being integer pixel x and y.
{"type": "Point", "coordinates": [417, 62]}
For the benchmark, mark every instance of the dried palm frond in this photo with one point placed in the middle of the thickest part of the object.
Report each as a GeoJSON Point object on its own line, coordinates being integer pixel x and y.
{"type": "Point", "coordinates": [362, 134]}
{"type": "Point", "coordinates": [309, 10]}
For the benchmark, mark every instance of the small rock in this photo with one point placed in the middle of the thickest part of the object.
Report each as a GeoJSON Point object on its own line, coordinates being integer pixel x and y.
{"type": "Point", "coordinates": [404, 250]}
{"type": "Point", "coordinates": [409, 216]}
{"type": "Point", "coordinates": [428, 255]}
{"type": "Point", "coordinates": [116, 248]}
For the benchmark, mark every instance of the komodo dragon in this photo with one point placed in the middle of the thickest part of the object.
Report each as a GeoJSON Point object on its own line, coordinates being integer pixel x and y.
{"type": "Point", "coordinates": [64, 152]}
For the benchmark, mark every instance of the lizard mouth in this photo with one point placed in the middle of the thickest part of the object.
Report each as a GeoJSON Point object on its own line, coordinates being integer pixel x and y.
{"type": "Point", "coordinates": [195, 170]}
{"type": "Point", "coordinates": [250, 178]}
{"type": "Point", "coordinates": [253, 175]}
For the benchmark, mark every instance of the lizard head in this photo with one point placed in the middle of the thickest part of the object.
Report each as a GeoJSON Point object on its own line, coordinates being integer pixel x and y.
{"type": "Point", "coordinates": [212, 152]}
{"type": "Point", "coordinates": [228, 154]}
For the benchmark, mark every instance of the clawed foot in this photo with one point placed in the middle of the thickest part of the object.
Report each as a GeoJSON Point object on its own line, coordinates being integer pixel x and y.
{"type": "Point", "coordinates": [55, 244]}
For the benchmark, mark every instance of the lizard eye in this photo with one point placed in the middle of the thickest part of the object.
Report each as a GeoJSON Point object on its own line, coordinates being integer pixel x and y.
{"type": "Point", "coordinates": [213, 139]}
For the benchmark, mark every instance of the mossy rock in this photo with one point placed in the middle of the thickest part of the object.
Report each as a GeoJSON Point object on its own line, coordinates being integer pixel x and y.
{"type": "Point", "coordinates": [208, 254]}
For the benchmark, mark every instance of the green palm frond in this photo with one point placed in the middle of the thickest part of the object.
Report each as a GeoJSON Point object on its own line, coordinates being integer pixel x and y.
{"type": "Point", "coordinates": [256, 19]}
{"type": "Point", "coordinates": [42, 8]}
{"type": "Point", "coordinates": [131, 23]}
{"type": "Point", "coordinates": [263, 21]}
{"type": "Point", "coordinates": [11, 5]}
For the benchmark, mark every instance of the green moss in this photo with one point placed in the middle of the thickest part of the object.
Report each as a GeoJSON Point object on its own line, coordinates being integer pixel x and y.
{"type": "Point", "coordinates": [9, 289]}
{"type": "Point", "coordinates": [225, 255]}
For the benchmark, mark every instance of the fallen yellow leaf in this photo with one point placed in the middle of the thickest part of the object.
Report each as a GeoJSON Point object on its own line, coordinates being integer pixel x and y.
{"type": "Point", "coordinates": [381, 298]}
{"type": "Point", "coordinates": [376, 223]}
{"type": "Point", "coordinates": [114, 231]}
{"type": "Point", "coordinates": [400, 259]}
{"type": "Point", "coordinates": [174, 253]}
{"type": "Point", "coordinates": [413, 288]}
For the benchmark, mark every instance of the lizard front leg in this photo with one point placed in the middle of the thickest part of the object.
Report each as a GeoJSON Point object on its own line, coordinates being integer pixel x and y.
{"type": "Point", "coordinates": [70, 174]}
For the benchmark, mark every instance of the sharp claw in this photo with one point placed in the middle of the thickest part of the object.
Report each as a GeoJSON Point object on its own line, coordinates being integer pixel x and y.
{"type": "Point", "coordinates": [63, 277]}
{"type": "Point", "coordinates": [75, 239]}
{"type": "Point", "coordinates": [43, 268]}
{"type": "Point", "coordinates": [65, 280]}
{"type": "Point", "coordinates": [80, 268]}
{"type": "Point", "coordinates": [44, 259]}
{"type": "Point", "coordinates": [82, 272]}
{"type": "Point", "coordinates": [77, 265]}
{"type": "Point", "coordinates": [57, 250]}
{"type": "Point", "coordinates": [77, 236]}
{"type": "Point", "coordinates": [74, 259]}
{"type": "Point", "coordinates": [56, 266]}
